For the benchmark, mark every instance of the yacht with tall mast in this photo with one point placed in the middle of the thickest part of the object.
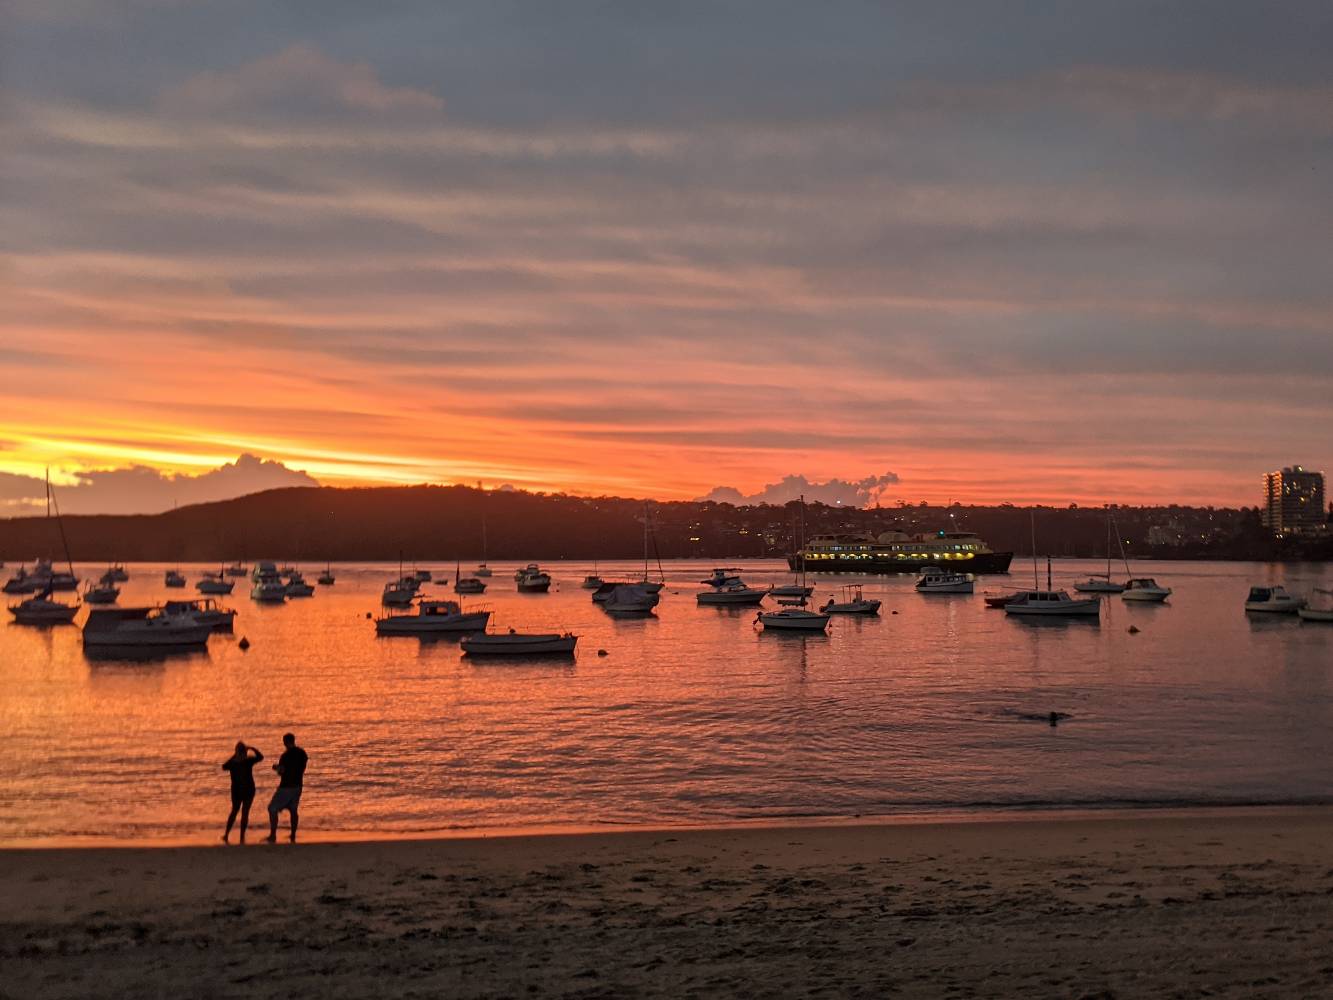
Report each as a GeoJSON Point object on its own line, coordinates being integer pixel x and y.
{"type": "Point", "coordinates": [795, 616]}
{"type": "Point", "coordinates": [44, 609]}
{"type": "Point", "coordinates": [1049, 602]}
{"type": "Point", "coordinates": [1101, 583]}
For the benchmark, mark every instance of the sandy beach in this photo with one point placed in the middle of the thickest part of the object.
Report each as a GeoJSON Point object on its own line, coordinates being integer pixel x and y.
{"type": "Point", "coordinates": [1227, 903]}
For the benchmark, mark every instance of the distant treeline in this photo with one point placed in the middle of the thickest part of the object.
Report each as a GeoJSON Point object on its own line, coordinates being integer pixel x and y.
{"type": "Point", "coordinates": [443, 523]}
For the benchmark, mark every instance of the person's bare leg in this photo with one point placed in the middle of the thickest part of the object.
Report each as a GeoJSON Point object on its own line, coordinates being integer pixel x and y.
{"type": "Point", "coordinates": [295, 819]}
{"type": "Point", "coordinates": [272, 826]}
{"type": "Point", "coordinates": [245, 817]}
{"type": "Point", "coordinates": [231, 819]}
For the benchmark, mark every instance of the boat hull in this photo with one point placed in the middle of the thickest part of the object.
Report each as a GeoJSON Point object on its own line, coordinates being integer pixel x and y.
{"type": "Point", "coordinates": [1027, 611]}
{"type": "Point", "coordinates": [807, 622]}
{"type": "Point", "coordinates": [429, 625]}
{"type": "Point", "coordinates": [1146, 596]}
{"type": "Point", "coordinates": [539, 587]}
{"type": "Point", "coordinates": [1316, 614]}
{"type": "Point", "coordinates": [529, 645]}
{"type": "Point", "coordinates": [1270, 608]}
{"type": "Point", "coordinates": [732, 600]}
{"type": "Point", "coordinates": [983, 562]}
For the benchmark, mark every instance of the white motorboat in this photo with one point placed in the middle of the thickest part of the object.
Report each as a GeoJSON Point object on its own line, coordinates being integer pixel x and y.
{"type": "Point", "coordinates": [399, 593]}
{"type": "Point", "coordinates": [215, 583]}
{"type": "Point", "coordinates": [853, 603]}
{"type": "Point", "coordinates": [1052, 603]}
{"type": "Point", "coordinates": [43, 577]}
{"type": "Point", "coordinates": [469, 585]}
{"type": "Point", "coordinates": [631, 599]}
{"type": "Point", "coordinates": [103, 592]}
{"type": "Point", "coordinates": [1145, 588]}
{"type": "Point", "coordinates": [732, 594]}
{"type": "Point", "coordinates": [934, 580]}
{"type": "Point", "coordinates": [532, 580]}
{"type": "Point", "coordinates": [433, 616]}
{"type": "Point", "coordinates": [42, 610]}
{"type": "Point", "coordinates": [142, 628]}
{"type": "Point", "coordinates": [268, 588]}
{"type": "Point", "coordinates": [174, 578]}
{"type": "Point", "coordinates": [1273, 600]}
{"type": "Point", "coordinates": [513, 643]}
{"type": "Point", "coordinates": [204, 611]}
{"type": "Point", "coordinates": [1324, 614]}
{"type": "Point", "coordinates": [263, 568]}
{"type": "Point", "coordinates": [297, 585]}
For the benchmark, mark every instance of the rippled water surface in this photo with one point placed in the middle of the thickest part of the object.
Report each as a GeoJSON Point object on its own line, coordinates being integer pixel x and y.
{"type": "Point", "coordinates": [692, 717]}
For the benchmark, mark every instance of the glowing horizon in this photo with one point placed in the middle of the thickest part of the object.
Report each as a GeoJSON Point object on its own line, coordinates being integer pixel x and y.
{"type": "Point", "coordinates": [1080, 272]}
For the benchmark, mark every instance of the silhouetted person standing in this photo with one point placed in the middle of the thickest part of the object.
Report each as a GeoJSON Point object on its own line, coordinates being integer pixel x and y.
{"type": "Point", "coordinates": [241, 764]}
{"type": "Point", "coordinates": [291, 775]}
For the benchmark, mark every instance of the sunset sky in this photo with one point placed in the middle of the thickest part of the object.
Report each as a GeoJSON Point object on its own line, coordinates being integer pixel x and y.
{"type": "Point", "coordinates": [981, 251]}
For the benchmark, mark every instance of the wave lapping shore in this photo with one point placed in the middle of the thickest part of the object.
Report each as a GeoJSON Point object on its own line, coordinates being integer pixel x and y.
{"type": "Point", "coordinates": [1223, 903]}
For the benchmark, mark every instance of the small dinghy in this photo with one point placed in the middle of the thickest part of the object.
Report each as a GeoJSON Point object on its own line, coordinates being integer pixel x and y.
{"type": "Point", "coordinates": [513, 643]}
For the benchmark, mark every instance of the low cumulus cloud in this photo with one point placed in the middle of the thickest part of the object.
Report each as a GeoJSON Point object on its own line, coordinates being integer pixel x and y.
{"type": "Point", "coordinates": [143, 490]}
{"type": "Point", "coordinates": [835, 492]}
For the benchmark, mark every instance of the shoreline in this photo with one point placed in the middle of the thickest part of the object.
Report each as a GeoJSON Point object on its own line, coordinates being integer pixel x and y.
{"type": "Point", "coordinates": [944, 818]}
{"type": "Point", "coordinates": [1229, 902]}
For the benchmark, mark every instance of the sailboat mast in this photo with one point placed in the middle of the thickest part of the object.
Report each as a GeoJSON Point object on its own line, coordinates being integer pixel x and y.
{"type": "Point", "coordinates": [1036, 583]}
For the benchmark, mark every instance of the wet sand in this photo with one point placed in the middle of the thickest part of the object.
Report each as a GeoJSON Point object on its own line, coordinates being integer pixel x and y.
{"type": "Point", "coordinates": [1231, 903]}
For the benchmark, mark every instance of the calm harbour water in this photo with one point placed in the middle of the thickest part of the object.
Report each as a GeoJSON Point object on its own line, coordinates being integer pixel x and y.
{"type": "Point", "coordinates": [693, 717]}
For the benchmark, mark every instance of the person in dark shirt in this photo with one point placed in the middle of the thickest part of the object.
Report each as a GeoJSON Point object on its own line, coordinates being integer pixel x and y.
{"type": "Point", "coordinates": [291, 775]}
{"type": "Point", "coordinates": [241, 764]}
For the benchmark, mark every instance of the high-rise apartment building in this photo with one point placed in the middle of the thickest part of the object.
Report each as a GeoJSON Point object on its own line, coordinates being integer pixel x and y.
{"type": "Point", "coordinates": [1294, 501]}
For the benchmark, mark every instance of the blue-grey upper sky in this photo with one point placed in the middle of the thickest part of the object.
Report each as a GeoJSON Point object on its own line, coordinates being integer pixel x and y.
{"type": "Point", "coordinates": [1057, 251]}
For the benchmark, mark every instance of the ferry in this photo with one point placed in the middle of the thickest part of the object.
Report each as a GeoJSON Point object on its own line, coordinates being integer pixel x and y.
{"type": "Point", "coordinates": [899, 552]}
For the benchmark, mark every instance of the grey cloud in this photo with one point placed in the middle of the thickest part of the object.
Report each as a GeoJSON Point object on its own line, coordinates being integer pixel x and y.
{"type": "Point", "coordinates": [142, 490]}
{"type": "Point", "coordinates": [853, 493]}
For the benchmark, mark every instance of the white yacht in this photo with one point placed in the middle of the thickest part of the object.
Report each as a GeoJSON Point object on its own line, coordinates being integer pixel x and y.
{"type": "Point", "coordinates": [103, 592]}
{"type": "Point", "coordinates": [1273, 600]}
{"type": "Point", "coordinates": [215, 583]}
{"type": "Point", "coordinates": [327, 579]}
{"type": "Point", "coordinates": [934, 580]}
{"type": "Point", "coordinates": [143, 627]}
{"type": "Point", "coordinates": [1322, 614]}
{"type": "Point", "coordinates": [853, 603]}
{"type": "Point", "coordinates": [482, 570]}
{"type": "Point", "coordinates": [791, 590]}
{"type": "Point", "coordinates": [433, 616]}
{"type": "Point", "coordinates": [533, 580]}
{"type": "Point", "coordinates": [42, 610]}
{"type": "Point", "coordinates": [1099, 583]}
{"type": "Point", "coordinates": [513, 643]}
{"type": "Point", "coordinates": [469, 585]}
{"type": "Point", "coordinates": [205, 612]}
{"type": "Point", "coordinates": [297, 585]}
{"type": "Point", "coordinates": [1052, 603]}
{"type": "Point", "coordinates": [399, 593]}
{"type": "Point", "coordinates": [1145, 588]}
{"type": "Point", "coordinates": [268, 588]}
